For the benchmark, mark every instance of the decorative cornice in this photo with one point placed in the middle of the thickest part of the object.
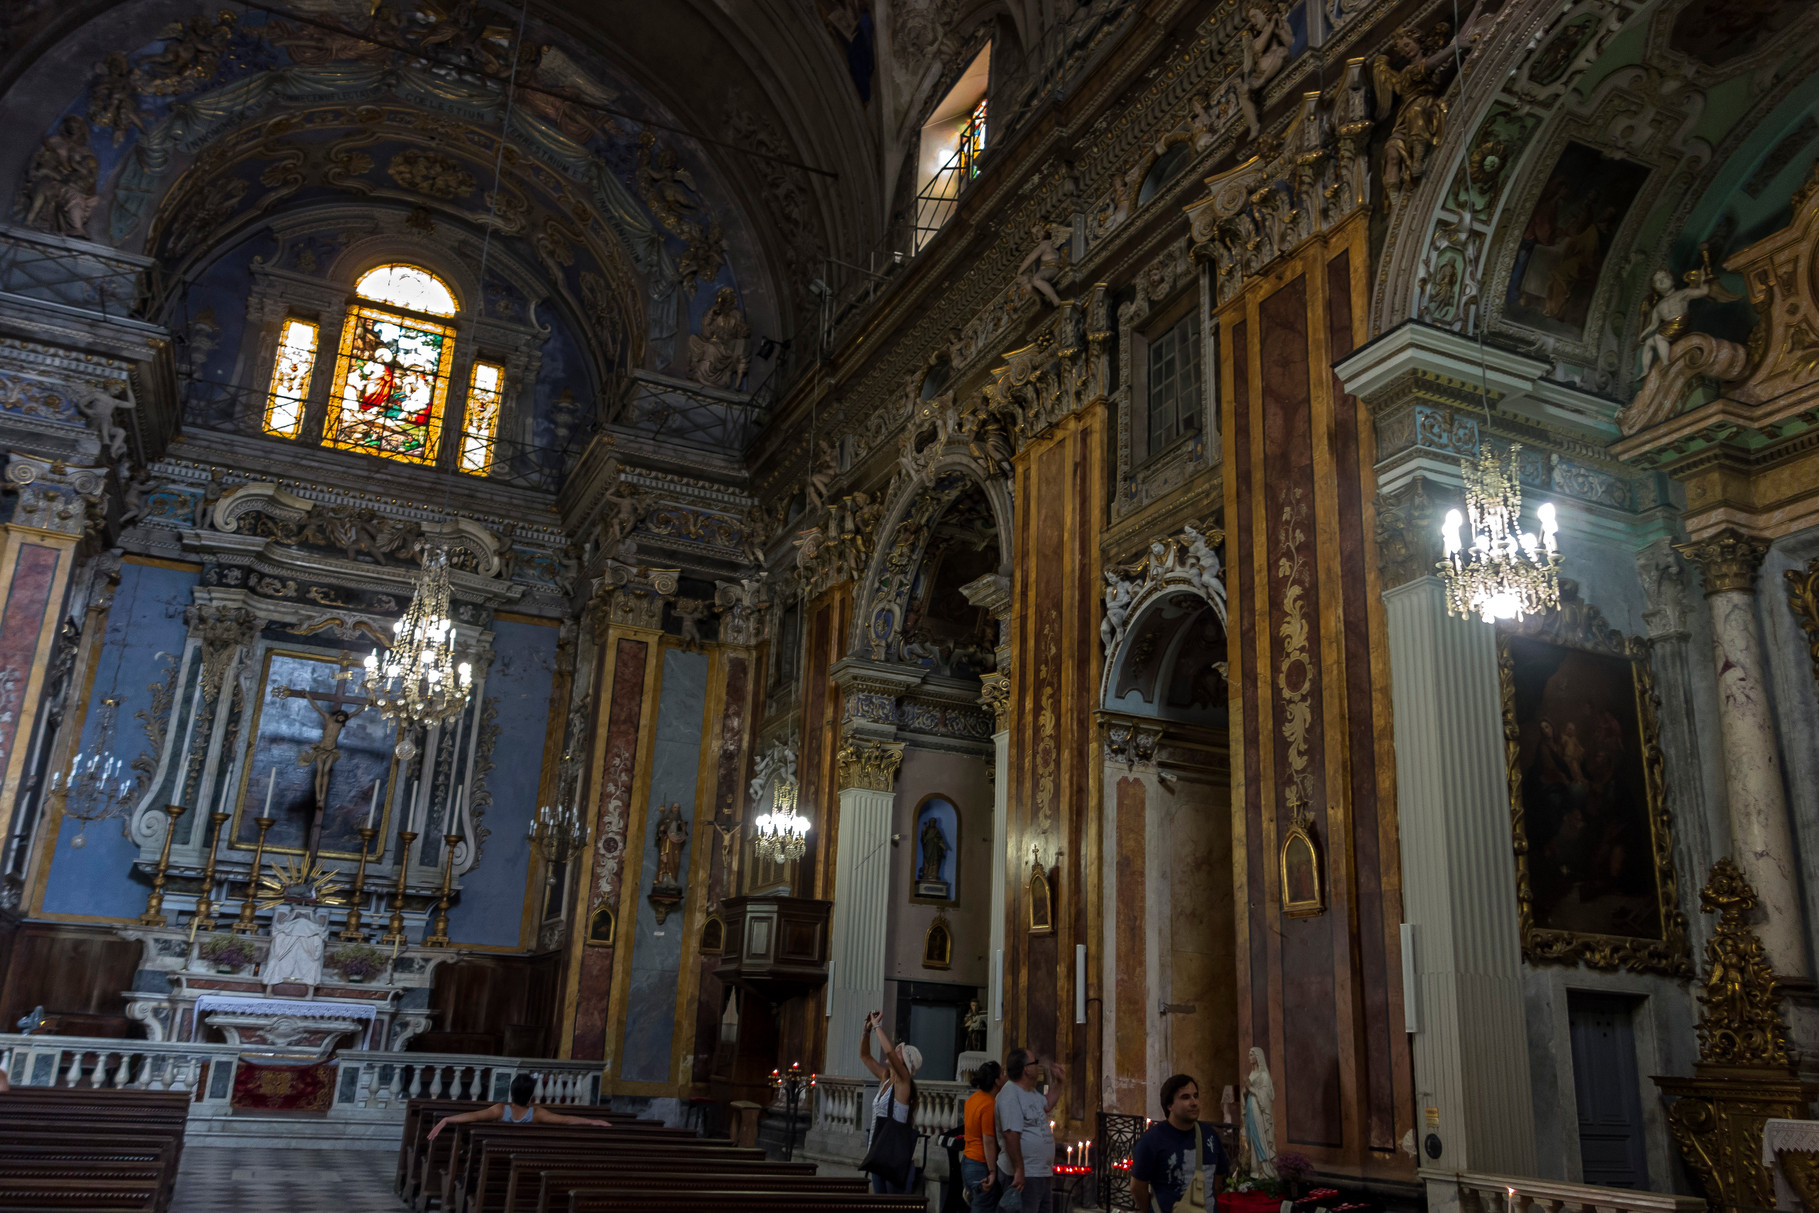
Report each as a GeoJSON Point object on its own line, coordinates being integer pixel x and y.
{"type": "Point", "coordinates": [1728, 561]}
{"type": "Point", "coordinates": [870, 765]}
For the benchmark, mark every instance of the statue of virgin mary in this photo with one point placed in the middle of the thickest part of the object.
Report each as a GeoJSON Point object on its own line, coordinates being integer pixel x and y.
{"type": "Point", "coordinates": [1260, 1118]}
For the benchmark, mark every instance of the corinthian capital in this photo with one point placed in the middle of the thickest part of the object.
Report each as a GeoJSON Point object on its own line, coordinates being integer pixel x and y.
{"type": "Point", "coordinates": [1728, 561]}
{"type": "Point", "coordinates": [871, 765]}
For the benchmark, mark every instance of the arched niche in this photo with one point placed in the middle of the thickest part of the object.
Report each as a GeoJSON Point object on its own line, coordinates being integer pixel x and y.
{"type": "Point", "coordinates": [1171, 664]}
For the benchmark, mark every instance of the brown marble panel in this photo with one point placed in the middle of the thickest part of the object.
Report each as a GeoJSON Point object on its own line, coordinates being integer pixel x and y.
{"type": "Point", "coordinates": [1376, 1056]}
{"type": "Point", "coordinates": [816, 745]}
{"type": "Point", "coordinates": [34, 574]}
{"type": "Point", "coordinates": [594, 988]}
{"type": "Point", "coordinates": [1256, 871]}
{"type": "Point", "coordinates": [1312, 1108]}
{"type": "Point", "coordinates": [1051, 733]}
{"type": "Point", "coordinates": [1131, 933]}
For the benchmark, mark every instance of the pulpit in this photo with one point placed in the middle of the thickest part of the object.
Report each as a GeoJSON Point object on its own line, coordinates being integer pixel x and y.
{"type": "Point", "coordinates": [776, 947]}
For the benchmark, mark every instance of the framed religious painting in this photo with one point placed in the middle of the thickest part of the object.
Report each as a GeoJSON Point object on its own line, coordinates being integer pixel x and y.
{"type": "Point", "coordinates": [1300, 864]}
{"type": "Point", "coordinates": [1594, 842]}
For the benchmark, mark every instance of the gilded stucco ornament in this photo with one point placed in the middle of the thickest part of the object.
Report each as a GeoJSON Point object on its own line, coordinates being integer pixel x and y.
{"type": "Point", "coordinates": [1728, 561]}
{"type": "Point", "coordinates": [1803, 597]}
{"type": "Point", "coordinates": [871, 765]}
{"type": "Point", "coordinates": [1417, 71]}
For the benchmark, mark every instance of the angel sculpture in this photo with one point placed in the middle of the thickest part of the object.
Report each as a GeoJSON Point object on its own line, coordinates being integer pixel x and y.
{"type": "Point", "coordinates": [1267, 44]}
{"type": "Point", "coordinates": [1046, 258]}
{"type": "Point", "coordinates": [1420, 81]}
{"type": "Point", "coordinates": [1665, 308]}
{"type": "Point", "coordinates": [1119, 594]}
{"type": "Point", "coordinates": [827, 466]}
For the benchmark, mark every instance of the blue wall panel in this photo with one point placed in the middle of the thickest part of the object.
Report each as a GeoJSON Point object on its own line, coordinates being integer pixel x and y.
{"type": "Point", "coordinates": [650, 1000]}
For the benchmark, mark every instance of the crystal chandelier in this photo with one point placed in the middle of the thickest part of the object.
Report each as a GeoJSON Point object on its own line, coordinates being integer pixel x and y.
{"type": "Point", "coordinates": [96, 787]}
{"type": "Point", "coordinates": [1505, 572]}
{"type": "Point", "coordinates": [418, 684]}
{"type": "Point", "coordinates": [782, 832]}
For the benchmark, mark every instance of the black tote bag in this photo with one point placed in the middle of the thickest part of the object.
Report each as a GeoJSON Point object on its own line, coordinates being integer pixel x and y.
{"type": "Point", "coordinates": [893, 1151]}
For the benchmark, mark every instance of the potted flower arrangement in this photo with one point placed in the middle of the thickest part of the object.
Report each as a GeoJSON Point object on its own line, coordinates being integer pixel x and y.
{"type": "Point", "coordinates": [228, 953]}
{"type": "Point", "coordinates": [356, 962]}
{"type": "Point", "coordinates": [1294, 1170]}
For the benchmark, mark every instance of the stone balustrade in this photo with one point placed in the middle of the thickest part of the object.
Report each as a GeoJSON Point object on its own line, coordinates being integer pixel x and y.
{"type": "Point", "coordinates": [1520, 1194]}
{"type": "Point", "coordinates": [129, 1065]}
{"type": "Point", "coordinates": [378, 1081]}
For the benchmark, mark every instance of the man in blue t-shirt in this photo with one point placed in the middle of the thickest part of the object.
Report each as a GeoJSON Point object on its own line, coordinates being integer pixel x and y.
{"type": "Point", "coordinates": [1163, 1164]}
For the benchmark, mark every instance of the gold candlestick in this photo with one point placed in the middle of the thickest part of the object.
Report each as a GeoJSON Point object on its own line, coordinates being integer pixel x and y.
{"type": "Point", "coordinates": [394, 929]}
{"type": "Point", "coordinates": [205, 905]}
{"type": "Point", "coordinates": [244, 925]}
{"type": "Point", "coordinates": [440, 938]}
{"type": "Point", "coordinates": [154, 904]}
{"type": "Point", "coordinates": [352, 930]}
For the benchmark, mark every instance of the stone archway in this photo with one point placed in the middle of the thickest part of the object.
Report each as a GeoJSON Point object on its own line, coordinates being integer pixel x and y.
{"type": "Point", "coordinates": [1169, 950]}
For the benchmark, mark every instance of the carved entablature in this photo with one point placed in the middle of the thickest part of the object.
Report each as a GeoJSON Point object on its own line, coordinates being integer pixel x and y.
{"type": "Point", "coordinates": [1057, 373]}
{"type": "Point", "coordinates": [1315, 177]}
{"type": "Point", "coordinates": [360, 534]}
{"type": "Point", "coordinates": [1713, 408]}
{"type": "Point", "coordinates": [1185, 561]}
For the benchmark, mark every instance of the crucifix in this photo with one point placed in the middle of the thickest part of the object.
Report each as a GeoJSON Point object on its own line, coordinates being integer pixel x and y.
{"type": "Point", "coordinates": [326, 752]}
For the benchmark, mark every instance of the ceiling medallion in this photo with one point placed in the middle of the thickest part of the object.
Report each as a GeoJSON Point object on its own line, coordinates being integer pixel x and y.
{"type": "Point", "coordinates": [1505, 572]}
{"type": "Point", "coordinates": [418, 684]}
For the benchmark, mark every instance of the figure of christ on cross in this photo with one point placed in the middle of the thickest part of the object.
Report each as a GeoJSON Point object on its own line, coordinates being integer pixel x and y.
{"type": "Point", "coordinates": [326, 752]}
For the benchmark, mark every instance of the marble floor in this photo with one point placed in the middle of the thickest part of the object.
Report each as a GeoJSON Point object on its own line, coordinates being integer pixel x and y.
{"type": "Point", "coordinates": [247, 1179]}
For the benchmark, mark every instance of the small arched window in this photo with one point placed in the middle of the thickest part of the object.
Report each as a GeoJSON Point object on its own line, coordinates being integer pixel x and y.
{"type": "Point", "coordinates": [391, 386]}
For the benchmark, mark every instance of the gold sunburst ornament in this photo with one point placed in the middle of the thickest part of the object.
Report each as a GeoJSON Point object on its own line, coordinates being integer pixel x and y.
{"type": "Point", "coordinates": [1506, 572]}
{"type": "Point", "coordinates": [293, 882]}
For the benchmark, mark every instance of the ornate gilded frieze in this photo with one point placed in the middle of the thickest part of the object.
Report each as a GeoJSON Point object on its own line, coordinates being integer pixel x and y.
{"type": "Point", "coordinates": [870, 765]}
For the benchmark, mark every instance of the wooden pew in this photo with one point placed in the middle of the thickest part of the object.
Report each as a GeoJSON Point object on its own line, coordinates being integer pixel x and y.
{"type": "Point", "coordinates": [83, 1147]}
{"type": "Point", "coordinates": [418, 1156]}
{"type": "Point", "coordinates": [691, 1200]}
{"type": "Point", "coordinates": [555, 1186]}
{"type": "Point", "coordinates": [534, 1177]}
{"type": "Point", "coordinates": [468, 1155]}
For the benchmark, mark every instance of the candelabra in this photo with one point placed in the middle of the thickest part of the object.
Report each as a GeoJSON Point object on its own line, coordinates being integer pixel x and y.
{"type": "Point", "coordinates": [205, 904]}
{"type": "Point", "coordinates": [154, 903]}
{"type": "Point", "coordinates": [559, 833]}
{"type": "Point", "coordinates": [394, 929]}
{"type": "Point", "coordinates": [244, 925]}
{"type": "Point", "coordinates": [439, 939]}
{"type": "Point", "coordinates": [351, 931]}
{"type": "Point", "coordinates": [96, 787]}
{"type": "Point", "coordinates": [790, 1084]}
{"type": "Point", "coordinates": [782, 833]}
{"type": "Point", "coordinates": [418, 684]}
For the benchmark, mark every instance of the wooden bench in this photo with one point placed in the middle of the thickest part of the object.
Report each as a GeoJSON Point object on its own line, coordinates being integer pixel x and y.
{"type": "Point", "coordinates": [536, 1177]}
{"type": "Point", "coordinates": [608, 1200]}
{"type": "Point", "coordinates": [556, 1186]}
{"type": "Point", "coordinates": [495, 1160]}
{"type": "Point", "coordinates": [89, 1148]}
{"type": "Point", "coordinates": [483, 1140]}
{"type": "Point", "coordinates": [419, 1157]}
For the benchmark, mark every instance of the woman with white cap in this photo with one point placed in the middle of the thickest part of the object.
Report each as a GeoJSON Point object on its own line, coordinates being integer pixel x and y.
{"type": "Point", "coordinates": [896, 1085]}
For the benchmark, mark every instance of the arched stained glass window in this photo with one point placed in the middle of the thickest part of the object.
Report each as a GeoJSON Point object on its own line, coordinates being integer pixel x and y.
{"type": "Point", "coordinates": [392, 373]}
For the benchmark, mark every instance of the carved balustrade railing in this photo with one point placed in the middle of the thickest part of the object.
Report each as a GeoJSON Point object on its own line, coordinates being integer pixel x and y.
{"type": "Point", "coordinates": [103, 1063]}
{"type": "Point", "coordinates": [844, 1105]}
{"type": "Point", "coordinates": [1480, 1193]}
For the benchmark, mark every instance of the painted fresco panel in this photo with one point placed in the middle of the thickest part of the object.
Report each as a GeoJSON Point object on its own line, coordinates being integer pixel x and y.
{"type": "Point", "coordinates": [1131, 936]}
{"type": "Point", "coordinates": [34, 573]}
{"type": "Point", "coordinates": [650, 1008]}
{"type": "Point", "coordinates": [143, 628]}
{"type": "Point", "coordinates": [1567, 237]}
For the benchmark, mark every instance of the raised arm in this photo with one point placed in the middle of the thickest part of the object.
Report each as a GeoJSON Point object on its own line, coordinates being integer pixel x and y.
{"type": "Point", "coordinates": [1057, 1075]}
{"type": "Point", "coordinates": [491, 1112]}
{"type": "Point", "coordinates": [893, 1058]}
{"type": "Point", "coordinates": [543, 1116]}
{"type": "Point", "coordinates": [865, 1048]}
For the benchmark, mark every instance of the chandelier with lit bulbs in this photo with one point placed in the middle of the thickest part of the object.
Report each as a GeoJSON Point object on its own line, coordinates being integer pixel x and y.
{"type": "Point", "coordinates": [782, 832]}
{"type": "Point", "coordinates": [416, 682]}
{"type": "Point", "coordinates": [1499, 570]}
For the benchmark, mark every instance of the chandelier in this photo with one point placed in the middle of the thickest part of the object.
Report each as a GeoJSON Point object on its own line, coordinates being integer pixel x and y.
{"type": "Point", "coordinates": [1505, 572]}
{"type": "Point", "coordinates": [418, 683]}
{"type": "Point", "coordinates": [96, 787]}
{"type": "Point", "coordinates": [782, 832]}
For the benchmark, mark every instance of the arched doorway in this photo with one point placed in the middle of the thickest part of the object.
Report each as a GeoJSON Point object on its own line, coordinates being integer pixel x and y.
{"type": "Point", "coordinates": [1170, 944]}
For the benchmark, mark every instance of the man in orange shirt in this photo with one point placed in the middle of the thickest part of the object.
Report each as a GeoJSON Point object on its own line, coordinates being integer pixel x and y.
{"type": "Point", "coordinates": [978, 1166]}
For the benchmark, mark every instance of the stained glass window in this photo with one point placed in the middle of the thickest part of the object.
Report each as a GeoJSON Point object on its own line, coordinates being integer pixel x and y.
{"type": "Point", "coordinates": [391, 379]}
{"type": "Point", "coordinates": [291, 371]}
{"type": "Point", "coordinates": [483, 396]}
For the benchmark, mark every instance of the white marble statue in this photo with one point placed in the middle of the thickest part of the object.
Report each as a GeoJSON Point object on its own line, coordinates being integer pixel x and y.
{"type": "Point", "coordinates": [297, 945]}
{"type": "Point", "coordinates": [1260, 1118]}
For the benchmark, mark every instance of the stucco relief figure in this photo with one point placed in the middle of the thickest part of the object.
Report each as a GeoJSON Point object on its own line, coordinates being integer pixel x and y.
{"type": "Point", "coordinates": [672, 836]}
{"type": "Point", "coordinates": [297, 944]}
{"type": "Point", "coordinates": [1267, 42]}
{"type": "Point", "coordinates": [827, 466]}
{"type": "Point", "coordinates": [1118, 596]}
{"type": "Point", "coordinates": [327, 750]}
{"type": "Point", "coordinates": [1418, 74]}
{"type": "Point", "coordinates": [99, 408]}
{"type": "Point", "coordinates": [1042, 265]}
{"type": "Point", "coordinates": [1260, 1118]}
{"type": "Point", "coordinates": [62, 180]}
{"type": "Point", "coordinates": [719, 355]}
{"type": "Point", "coordinates": [1202, 121]}
{"type": "Point", "coordinates": [1665, 309]}
{"type": "Point", "coordinates": [113, 98]}
{"type": "Point", "coordinates": [628, 509]}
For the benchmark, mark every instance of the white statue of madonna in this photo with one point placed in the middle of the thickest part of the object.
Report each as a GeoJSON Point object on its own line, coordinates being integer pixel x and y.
{"type": "Point", "coordinates": [297, 945]}
{"type": "Point", "coordinates": [1260, 1118]}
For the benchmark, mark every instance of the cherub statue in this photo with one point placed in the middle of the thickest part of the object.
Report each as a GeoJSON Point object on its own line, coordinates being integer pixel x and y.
{"type": "Point", "coordinates": [135, 489]}
{"type": "Point", "coordinates": [113, 98]}
{"type": "Point", "coordinates": [689, 614]}
{"type": "Point", "coordinates": [62, 181]}
{"type": "Point", "coordinates": [1267, 43]}
{"type": "Point", "coordinates": [827, 466]}
{"type": "Point", "coordinates": [1118, 596]}
{"type": "Point", "coordinates": [1046, 259]}
{"type": "Point", "coordinates": [1666, 307]}
{"type": "Point", "coordinates": [1420, 81]}
{"type": "Point", "coordinates": [1201, 121]}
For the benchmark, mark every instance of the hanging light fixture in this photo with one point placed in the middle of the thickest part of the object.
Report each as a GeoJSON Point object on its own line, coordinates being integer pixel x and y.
{"type": "Point", "coordinates": [97, 786]}
{"type": "Point", "coordinates": [782, 832]}
{"type": "Point", "coordinates": [417, 683]}
{"type": "Point", "coordinates": [559, 829]}
{"type": "Point", "coordinates": [1504, 572]}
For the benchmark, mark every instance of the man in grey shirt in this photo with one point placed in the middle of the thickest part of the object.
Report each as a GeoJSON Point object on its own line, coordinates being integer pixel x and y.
{"type": "Point", "coordinates": [1026, 1164]}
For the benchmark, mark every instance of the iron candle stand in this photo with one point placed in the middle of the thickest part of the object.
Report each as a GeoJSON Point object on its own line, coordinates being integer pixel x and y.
{"type": "Point", "coordinates": [791, 1083]}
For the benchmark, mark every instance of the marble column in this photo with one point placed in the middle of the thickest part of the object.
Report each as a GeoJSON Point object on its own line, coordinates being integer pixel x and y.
{"type": "Point", "coordinates": [1470, 1046]}
{"type": "Point", "coordinates": [862, 877]}
{"type": "Point", "coordinates": [1762, 837]}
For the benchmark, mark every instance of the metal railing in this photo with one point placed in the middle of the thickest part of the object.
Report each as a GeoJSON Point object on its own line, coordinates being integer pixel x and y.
{"type": "Point", "coordinates": [74, 274]}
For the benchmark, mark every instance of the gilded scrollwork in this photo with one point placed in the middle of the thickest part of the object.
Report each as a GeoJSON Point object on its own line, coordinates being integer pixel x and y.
{"type": "Point", "coordinates": [1803, 598]}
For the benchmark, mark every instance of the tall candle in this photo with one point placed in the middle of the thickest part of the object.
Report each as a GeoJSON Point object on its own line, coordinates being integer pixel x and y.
{"type": "Point", "coordinates": [373, 809]}
{"type": "Point", "coordinates": [416, 827]}
{"type": "Point", "coordinates": [270, 786]}
{"type": "Point", "coordinates": [454, 821]}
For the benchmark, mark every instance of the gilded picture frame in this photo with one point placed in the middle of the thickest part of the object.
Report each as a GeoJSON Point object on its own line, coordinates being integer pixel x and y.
{"type": "Point", "coordinates": [938, 944]}
{"type": "Point", "coordinates": [1041, 897]}
{"type": "Point", "coordinates": [1592, 835]}
{"type": "Point", "coordinates": [1302, 895]}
